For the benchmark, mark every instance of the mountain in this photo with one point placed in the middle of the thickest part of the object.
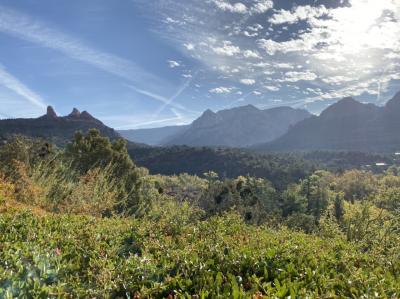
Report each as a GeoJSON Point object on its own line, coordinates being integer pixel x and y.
{"type": "Point", "coordinates": [238, 127]}
{"type": "Point", "coordinates": [347, 125]}
{"type": "Point", "coordinates": [59, 130]}
{"type": "Point", "coordinates": [155, 136]}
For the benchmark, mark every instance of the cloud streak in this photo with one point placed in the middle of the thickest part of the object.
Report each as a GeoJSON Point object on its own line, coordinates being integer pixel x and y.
{"type": "Point", "coordinates": [12, 83]}
{"type": "Point", "coordinates": [30, 29]}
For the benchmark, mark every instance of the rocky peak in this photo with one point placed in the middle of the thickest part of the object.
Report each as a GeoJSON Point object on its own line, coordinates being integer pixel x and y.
{"type": "Point", "coordinates": [75, 113]}
{"type": "Point", "coordinates": [50, 112]}
{"type": "Point", "coordinates": [86, 115]}
{"type": "Point", "coordinates": [348, 107]}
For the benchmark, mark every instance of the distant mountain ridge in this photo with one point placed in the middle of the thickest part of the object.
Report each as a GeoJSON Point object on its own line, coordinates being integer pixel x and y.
{"type": "Point", "coordinates": [237, 127]}
{"type": "Point", "coordinates": [346, 125]}
{"type": "Point", "coordinates": [153, 136]}
{"type": "Point", "coordinates": [58, 129]}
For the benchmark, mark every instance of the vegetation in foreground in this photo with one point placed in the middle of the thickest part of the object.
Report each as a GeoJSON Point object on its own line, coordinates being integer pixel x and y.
{"type": "Point", "coordinates": [87, 222]}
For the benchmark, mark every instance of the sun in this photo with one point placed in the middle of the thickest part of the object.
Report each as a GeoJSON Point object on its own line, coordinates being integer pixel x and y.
{"type": "Point", "coordinates": [364, 26]}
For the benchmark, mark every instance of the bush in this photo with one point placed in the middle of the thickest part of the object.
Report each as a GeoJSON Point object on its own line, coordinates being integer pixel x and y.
{"type": "Point", "coordinates": [7, 189]}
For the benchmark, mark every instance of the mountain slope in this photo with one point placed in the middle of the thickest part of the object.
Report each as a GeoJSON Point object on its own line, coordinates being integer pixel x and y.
{"type": "Point", "coordinates": [57, 129]}
{"type": "Point", "coordinates": [154, 136]}
{"type": "Point", "coordinates": [346, 125]}
{"type": "Point", "coordinates": [238, 127]}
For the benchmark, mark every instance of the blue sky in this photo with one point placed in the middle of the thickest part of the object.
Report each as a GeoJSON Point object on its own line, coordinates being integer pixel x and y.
{"type": "Point", "coordinates": [140, 63]}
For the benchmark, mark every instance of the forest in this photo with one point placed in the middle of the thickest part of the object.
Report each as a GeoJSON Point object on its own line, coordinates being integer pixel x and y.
{"type": "Point", "coordinates": [87, 221]}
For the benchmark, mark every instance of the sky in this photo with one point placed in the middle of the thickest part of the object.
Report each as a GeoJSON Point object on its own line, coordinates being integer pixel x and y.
{"type": "Point", "coordinates": [141, 63]}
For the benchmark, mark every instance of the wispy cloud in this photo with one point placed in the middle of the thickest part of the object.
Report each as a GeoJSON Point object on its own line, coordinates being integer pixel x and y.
{"type": "Point", "coordinates": [12, 83]}
{"type": "Point", "coordinates": [25, 27]}
{"type": "Point", "coordinates": [173, 64]}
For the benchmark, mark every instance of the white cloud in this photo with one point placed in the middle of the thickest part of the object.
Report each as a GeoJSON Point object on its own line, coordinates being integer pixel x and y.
{"type": "Point", "coordinates": [248, 81]}
{"type": "Point", "coordinates": [262, 6]}
{"type": "Point", "coordinates": [170, 20]}
{"type": "Point", "coordinates": [299, 76]}
{"type": "Point", "coordinates": [250, 34]}
{"type": "Point", "coordinates": [271, 88]}
{"type": "Point", "coordinates": [299, 13]}
{"type": "Point", "coordinates": [251, 54]}
{"type": "Point", "coordinates": [284, 65]}
{"type": "Point", "coordinates": [227, 49]}
{"type": "Point", "coordinates": [259, 6]}
{"type": "Point", "coordinates": [255, 27]}
{"type": "Point", "coordinates": [189, 46]}
{"type": "Point", "coordinates": [337, 80]}
{"type": "Point", "coordinates": [221, 90]}
{"type": "Point", "coordinates": [173, 64]}
{"type": "Point", "coordinates": [294, 45]}
{"type": "Point", "coordinates": [234, 8]}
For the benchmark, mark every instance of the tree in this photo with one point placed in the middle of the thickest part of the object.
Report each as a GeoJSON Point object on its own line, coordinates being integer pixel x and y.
{"type": "Point", "coordinates": [356, 184]}
{"type": "Point", "coordinates": [338, 208]}
{"type": "Point", "coordinates": [316, 190]}
{"type": "Point", "coordinates": [293, 201]}
{"type": "Point", "coordinates": [95, 151]}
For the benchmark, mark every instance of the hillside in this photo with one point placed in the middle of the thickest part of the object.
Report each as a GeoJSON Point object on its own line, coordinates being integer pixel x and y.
{"type": "Point", "coordinates": [347, 125]}
{"type": "Point", "coordinates": [228, 163]}
{"type": "Point", "coordinates": [57, 129]}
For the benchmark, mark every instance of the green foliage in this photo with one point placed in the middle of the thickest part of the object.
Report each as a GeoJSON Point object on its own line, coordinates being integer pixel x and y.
{"type": "Point", "coordinates": [356, 185]}
{"type": "Point", "coordinates": [254, 199]}
{"type": "Point", "coordinates": [80, 256]}
{"type": "Point", "coordinates": [280, 170]}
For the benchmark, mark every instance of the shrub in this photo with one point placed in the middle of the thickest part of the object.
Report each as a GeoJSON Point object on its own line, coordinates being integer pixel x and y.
{"type": "Point", "coordinates": [94, 151]}
{"type": "Point", "coordinates": [7, 189]}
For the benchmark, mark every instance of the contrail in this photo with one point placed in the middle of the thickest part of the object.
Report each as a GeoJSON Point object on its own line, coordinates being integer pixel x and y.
{"type": "Point", "coordinates": [174, 97]}
{"type": "Point", "coordinates": [12, 83]}
{"type": "Point", "coordinates": [135, 125]}
{"type": "Point", "coordinates": [378, 97]}
{"type": "Point", "coordinates": [158, 97]}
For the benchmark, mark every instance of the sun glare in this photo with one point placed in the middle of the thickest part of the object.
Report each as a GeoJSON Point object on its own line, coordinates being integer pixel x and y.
{"type": "Point", "coordinates": [364, 26]}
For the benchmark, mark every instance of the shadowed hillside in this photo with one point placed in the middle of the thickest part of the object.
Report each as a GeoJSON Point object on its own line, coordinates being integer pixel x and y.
{"type": "Point", "coordinates": [347, 125]}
